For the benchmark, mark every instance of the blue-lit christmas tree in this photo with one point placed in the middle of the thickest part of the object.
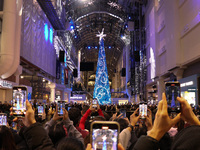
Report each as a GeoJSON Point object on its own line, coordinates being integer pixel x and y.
{"type": "Point", "coordinates": [102, 87]}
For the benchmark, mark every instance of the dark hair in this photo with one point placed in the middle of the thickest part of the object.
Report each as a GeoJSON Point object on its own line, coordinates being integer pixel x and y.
{"type": "Point", "coordinates": [106, 115]}
{"type": "Point", "coordinates": [7, 141]}
{"type": "Point", "coordinates": [56, 133]}
{"type": "Point", "coordinates": [74, 115]}
{"type": "Point", "coordinates": [122, 122]}
{"type": "Point", "coordinates": [71, 144]}
{"type": "Point", "coordinates": [97, 118]}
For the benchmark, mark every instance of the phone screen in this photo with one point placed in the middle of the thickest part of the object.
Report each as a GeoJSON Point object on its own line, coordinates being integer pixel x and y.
{"type": "Point", "coordinates": [123, 112]}
{"type": "Point", "coordinates": [19, 100]}
{"type": "Point", "coordinates": [105, 136]}
{"type": "Point", "coordinates": [3, 119]}
{"type": "Point", "coordinates": [143, 110]}
{"type": "Point", "coordinates": [172, 90]}
{"type": "Point", "coordinates": [69, 107]}
{"type": "Point", "coordinates": [94, 103]}
{"type": "Point", "coordinates": [40, 110]}
{"type": "Point", "coordinates": [61, 105]}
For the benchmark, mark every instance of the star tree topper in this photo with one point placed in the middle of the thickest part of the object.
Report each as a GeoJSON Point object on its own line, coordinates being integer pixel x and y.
{"type": "Point", "coordinates": [101, 35]}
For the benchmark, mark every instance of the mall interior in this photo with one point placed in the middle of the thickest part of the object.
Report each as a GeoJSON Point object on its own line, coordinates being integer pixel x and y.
{"type": "Point", "coordinates": [59, 49]}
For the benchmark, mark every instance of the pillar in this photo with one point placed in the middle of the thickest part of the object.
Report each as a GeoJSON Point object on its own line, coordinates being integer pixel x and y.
{"type": "Point", "coordinates": [53, 92]}
{"type": "Point", "coordinates": [79, 61]}
{"type": "Point", "coordinates": [17, 74]}
{"type": "Point", "coordinates": [178, 73]}
{"type": "Point", "coordinates": [128, 76]}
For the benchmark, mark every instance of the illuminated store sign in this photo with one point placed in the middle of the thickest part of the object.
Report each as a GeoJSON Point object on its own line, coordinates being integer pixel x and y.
{"type": "Point", "coordinates": [187, 84]}
{"type": "Point", "coordinates": [78, 97]}
{"type": "Point", "coordinates": [5, 84]}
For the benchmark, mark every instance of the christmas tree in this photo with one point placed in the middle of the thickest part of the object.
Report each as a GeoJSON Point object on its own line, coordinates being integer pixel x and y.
{"type": "Point", "coordinates": [102, 87]}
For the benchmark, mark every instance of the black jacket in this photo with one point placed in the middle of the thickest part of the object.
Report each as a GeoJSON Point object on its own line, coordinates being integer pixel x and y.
{"type": "Point", "coordinates": [37, 138]}
{"type": "Point", "coordinates": [146, 143]}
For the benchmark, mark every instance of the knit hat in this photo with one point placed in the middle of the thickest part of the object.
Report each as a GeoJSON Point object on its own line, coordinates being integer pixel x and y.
{"type": "Point", "coordinates": [187, 139]}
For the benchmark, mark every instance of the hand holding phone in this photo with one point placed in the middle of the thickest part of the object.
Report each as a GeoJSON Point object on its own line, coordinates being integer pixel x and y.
{"type": "Point", "coordinates": [61, 106]}
{"type": "Point", "coordinates": [104, 135]}
{"type": "Point", "coordinates": [19, 100]}
{"type": "Point", "coordinates": [172, 91]}
{"type": "Point", "coordinates": [40, 110]}
{"type": "Point", "coordinates": [94, 103]}
{"type": "Point", "coordinates": [143, 109]}
{"type": "Point", "coordinates": [123, 112]}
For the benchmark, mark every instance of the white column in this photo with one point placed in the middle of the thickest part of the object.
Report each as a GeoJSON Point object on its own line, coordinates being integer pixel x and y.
{"type": "Point", "coordinates": [17, 74]}
{"type": "Point", "coordinates": [128, 76]}
{"type": "Point", "coordinates": [160, 87]}
{"type": "Point", "coordinates": [79, 61]}
{"type": "Point", "coordinates": [178, 73]}
{"type": "Point", "coordinates": [53, 91]}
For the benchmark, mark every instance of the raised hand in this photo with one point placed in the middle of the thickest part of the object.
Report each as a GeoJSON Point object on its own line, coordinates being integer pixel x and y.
{"type": "Point", "coordinates": [148, 120]}
{"type": "Point", "coordinates": [162, 121]}
{"type": "Point", "coordinates": [186, 112]}
{"type": "Point", "coordinates": [133, 118]}
{"type": "Point", "coordinates": [29, 116]}
{"type": "Point", "coordinates": [56, 116]}
{"type": "Point", "coordinates": [65, 114]}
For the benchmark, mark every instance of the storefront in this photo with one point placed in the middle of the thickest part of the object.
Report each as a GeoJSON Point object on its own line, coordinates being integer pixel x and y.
{"type": "Point", "coordinates": [189, 89]}
{"type": "Point", "coordinates": [5, 91]}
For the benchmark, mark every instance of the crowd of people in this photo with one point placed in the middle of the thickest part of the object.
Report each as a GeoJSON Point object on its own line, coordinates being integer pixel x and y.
{"type": "Point", "coordinates": [160, 129]}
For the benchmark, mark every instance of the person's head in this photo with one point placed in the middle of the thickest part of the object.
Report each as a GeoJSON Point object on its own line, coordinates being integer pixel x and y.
{"type": "Point", "coordinates": [74, 115]}
{"type": "Point", "coordinates": [123, 123]}
{"type": "Point", "coordinates": [57, 132]}
{"type": "Point", "coordinates": [7, 141]}
{"type": "Point", "coordinates": [96, 118]}
{"type": "Point", "coordinates": [71, 144]}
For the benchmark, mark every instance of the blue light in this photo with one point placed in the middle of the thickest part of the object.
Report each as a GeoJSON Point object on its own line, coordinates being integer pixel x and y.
{"type": "Point", "coordinates": [89, 47]}
{"type": "Point", "coordinates": [109, 47]}
{"type": "Point", "coordinates": [72, 26]}
{"type": "Point", "coordinates": [102, 87]}
{"type": "Point", "coordinates": [129, 17]}
{"type": "Point", "coordinates": [75, 36]}
{"type": "Point", "coordinates": [126, 26]}
{"type": "Point", "coordinates": [46, 31]}
{"type": "Point", "coordinates": [95, 47]}
{"type": "Point", "coordinates": [51, 35]}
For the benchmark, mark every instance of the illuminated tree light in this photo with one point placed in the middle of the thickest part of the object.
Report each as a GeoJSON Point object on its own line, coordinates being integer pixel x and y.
{"type": "Point", "coordinates": [102, 87]}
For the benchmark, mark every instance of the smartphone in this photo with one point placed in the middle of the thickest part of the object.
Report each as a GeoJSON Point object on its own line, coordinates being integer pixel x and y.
{"type": "Point", "coordinates": [19, 100]}
{"type": "Point", "coordinates": [94, 103]}
{"type": "Point", "coordinates": [14, 125]}
{"type": "Point", "coordinates": [40, 110]}
{"type": "Point", "coordinates": [123, 112]}
{"type": "Point", "coordinates": [173, 90]}
{"type": "Point", "coordinates": [68, 108]}
{"type": "Point", "coordinates": [61, 105]}
{"type": "Point", "coordinates": [104, 135]}
{"type": "Point", "coordinates": [143, 109]}
{"type": "Point", "coordinates": [3, 119]}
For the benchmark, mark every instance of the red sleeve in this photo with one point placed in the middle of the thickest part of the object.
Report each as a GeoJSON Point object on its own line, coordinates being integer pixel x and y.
{"type": "Point", "coordinates": [100, 113]}
{"type": "Point", "coordinates": [83, 119]}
